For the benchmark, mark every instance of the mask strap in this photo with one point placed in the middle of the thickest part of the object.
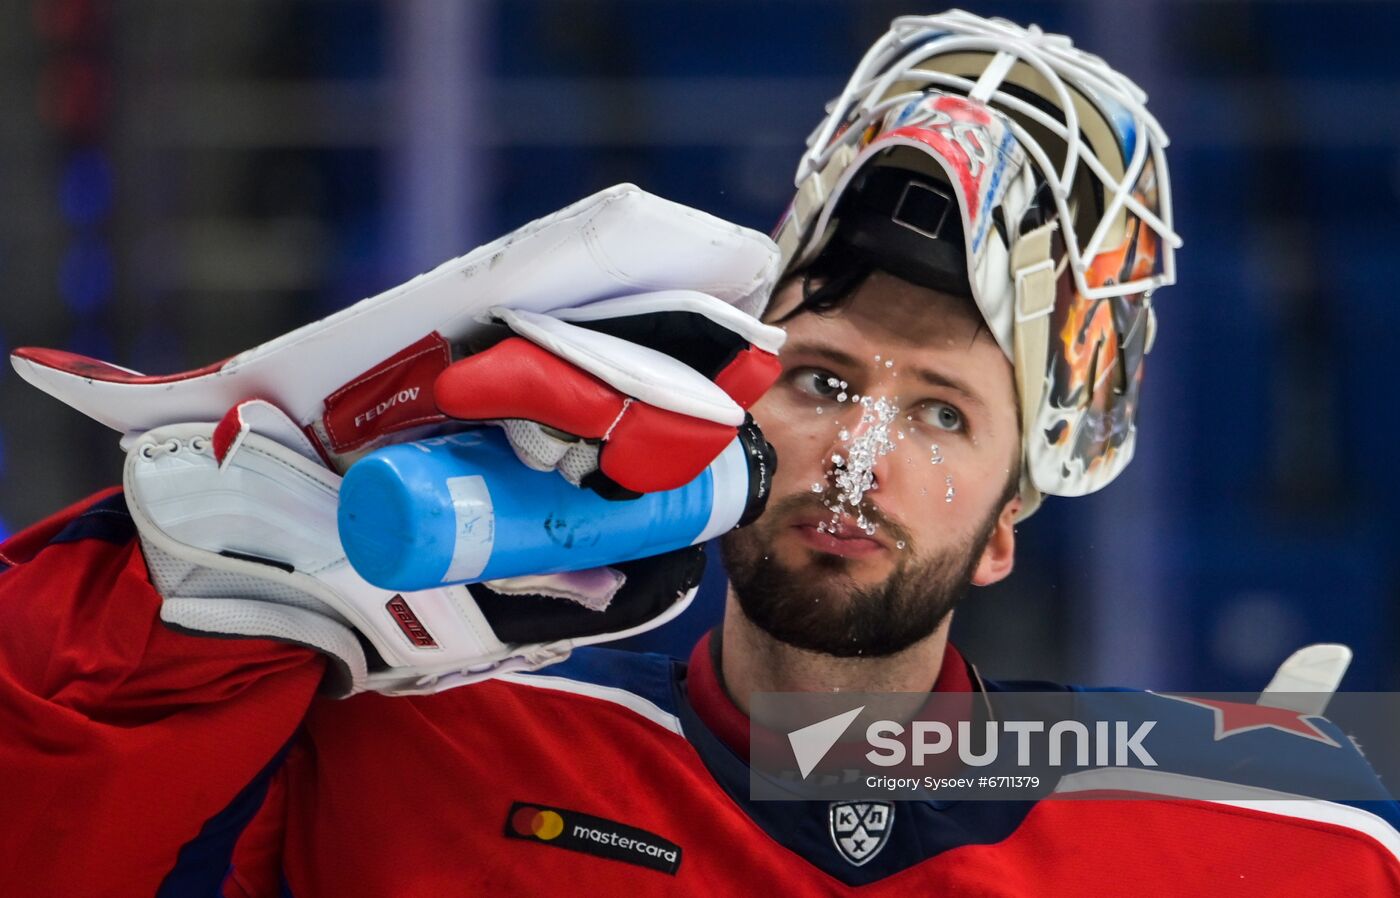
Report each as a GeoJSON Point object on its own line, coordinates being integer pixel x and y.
{"type": "Point", "coordinates": [1033, 269]}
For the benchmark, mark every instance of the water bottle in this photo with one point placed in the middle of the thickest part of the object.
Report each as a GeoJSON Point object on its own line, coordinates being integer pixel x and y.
{"type": "Point", "coordinates": [462, 508]}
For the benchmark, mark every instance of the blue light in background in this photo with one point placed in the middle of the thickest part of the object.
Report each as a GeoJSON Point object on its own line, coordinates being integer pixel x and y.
{"type": "Point", "coordinates": [85, 274]}
{"type": "Point", "coordinates": [85, 188]}
{"type": "Point", "coordinates": [91, 340]}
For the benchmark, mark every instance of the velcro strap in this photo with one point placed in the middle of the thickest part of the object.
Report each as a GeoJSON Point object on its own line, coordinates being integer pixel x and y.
{"type": "Point", "coordinates": [1034, 272]}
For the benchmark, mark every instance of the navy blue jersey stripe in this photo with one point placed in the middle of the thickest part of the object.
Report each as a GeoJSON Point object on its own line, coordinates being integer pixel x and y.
{"type": "Point", "coordinates": [1389, 811]}
{"type": "Point", "coordinates": [204, 862]}
{"type": "Point", "coordinates": [647, 675]}
{"type": "Point", "coordinates": [106, 520]}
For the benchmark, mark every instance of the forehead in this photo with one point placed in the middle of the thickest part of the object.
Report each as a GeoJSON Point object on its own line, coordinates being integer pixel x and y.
{"type": "Point", "coordinates": [890, 315]}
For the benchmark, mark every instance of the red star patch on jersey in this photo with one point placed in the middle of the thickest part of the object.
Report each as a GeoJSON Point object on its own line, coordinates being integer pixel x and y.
{"type": "Point", "coordinates": [1233, 718]}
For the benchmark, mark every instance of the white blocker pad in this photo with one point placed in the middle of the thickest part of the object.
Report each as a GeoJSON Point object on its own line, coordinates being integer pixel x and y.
{"type": "Point", "coordinates": [619, 242]}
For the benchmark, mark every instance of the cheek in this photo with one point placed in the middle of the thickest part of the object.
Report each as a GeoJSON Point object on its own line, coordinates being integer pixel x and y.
{"type": "Point", "coordinates": [913, 486]}
{"type": "Point", "coordinates": [800, 436]}
{"type": "Point", "coordinates": [917, 488]}
{"type": "Point", "coordinates": [971, 483]}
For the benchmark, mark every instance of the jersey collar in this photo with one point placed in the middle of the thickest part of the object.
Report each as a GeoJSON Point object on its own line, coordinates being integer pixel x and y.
{"type": "Point", "coordinates": [708, 696]}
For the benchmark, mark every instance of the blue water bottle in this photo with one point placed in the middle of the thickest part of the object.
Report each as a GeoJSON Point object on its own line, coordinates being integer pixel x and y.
{"type": "Point", "coordinates": [462, 509]}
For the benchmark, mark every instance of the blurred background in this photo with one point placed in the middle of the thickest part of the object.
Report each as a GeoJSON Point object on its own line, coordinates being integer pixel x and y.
{"type": "Point", "coordinates": [183, 179]}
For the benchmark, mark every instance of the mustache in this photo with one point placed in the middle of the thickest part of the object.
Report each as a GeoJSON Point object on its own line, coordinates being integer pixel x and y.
{"type": "Point", "coordinates": [826, 505]}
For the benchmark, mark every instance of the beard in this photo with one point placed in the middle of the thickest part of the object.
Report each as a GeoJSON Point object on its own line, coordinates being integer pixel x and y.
{"type": "Point", "coordinates": [820, 608]}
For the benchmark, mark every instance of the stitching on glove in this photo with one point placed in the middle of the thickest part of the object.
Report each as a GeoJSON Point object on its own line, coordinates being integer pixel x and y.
{"type": "Point", "coordinates": [471, 616]}
{"type": "Point", "coordinates": [626, 403]}
{"type": "Point", "coordinates": [328, 490]}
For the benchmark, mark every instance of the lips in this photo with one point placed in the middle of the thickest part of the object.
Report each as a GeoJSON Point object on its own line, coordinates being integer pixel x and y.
{"type": "Point", "coordinates": [841, 537]}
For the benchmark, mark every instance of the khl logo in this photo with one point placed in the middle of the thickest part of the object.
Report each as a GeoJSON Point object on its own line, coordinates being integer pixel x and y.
{"type": "Point", "coordinates": [859, 829]}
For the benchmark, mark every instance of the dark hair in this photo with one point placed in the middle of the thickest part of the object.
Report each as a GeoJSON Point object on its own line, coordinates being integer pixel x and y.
{"type": "Point", "coordinates": [829, 280]}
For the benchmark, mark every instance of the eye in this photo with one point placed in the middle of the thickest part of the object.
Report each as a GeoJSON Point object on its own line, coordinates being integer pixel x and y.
{"type": "Point", "coordinates": [817, 382]}
{"type": "Point", "coordinates": [942, 415]}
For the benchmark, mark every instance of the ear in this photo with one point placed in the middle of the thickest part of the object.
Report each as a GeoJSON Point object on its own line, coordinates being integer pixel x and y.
{"type": "Point", "coordinates": [999, 556]}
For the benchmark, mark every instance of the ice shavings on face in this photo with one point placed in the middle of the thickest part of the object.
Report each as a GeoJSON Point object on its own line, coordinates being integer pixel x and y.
{"type": "Point", "coordinates": [855, 473]}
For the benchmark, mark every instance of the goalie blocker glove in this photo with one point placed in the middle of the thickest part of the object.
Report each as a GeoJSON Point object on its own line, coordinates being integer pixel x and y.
{"type": "Point", "coordinates": [235, 499]}
{"type": "Point", "coordinates": [238, 524]}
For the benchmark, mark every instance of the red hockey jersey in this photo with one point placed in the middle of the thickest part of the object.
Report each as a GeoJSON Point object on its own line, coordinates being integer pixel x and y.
{"type": "Point", "coordinates": [141, 761]}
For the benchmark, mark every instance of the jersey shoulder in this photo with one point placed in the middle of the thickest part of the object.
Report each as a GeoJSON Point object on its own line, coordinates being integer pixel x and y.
{"type": "Point", "coordinates": [1300, 768]}
{"type": "Point", "coordinates": [642, 684]}
{"type": "Point", "coordinates": [101, 519]}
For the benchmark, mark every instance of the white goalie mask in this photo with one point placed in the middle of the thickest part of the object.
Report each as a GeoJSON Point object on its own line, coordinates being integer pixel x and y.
{"type": "Point", "coordinates": [1064, 223]}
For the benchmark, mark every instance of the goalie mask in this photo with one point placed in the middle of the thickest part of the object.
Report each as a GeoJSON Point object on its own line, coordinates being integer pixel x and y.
{"type": "Point", "coordinates": [986, 160]}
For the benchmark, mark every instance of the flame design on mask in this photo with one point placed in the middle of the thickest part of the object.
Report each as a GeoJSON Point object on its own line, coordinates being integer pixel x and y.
{"type": "Point", "coordinates": [1096, 354]}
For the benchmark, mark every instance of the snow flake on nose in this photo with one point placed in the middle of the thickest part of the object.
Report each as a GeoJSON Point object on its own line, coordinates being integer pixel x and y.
{"type": "Point", "coordinates": [854, 473]}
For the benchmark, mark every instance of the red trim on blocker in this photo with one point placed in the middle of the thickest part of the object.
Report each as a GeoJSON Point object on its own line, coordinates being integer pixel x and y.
{"type": "Point", "coordinates": [83, 366]}
{"type": "Point", "coordinates": [226, 433]}
{"type": "Point", "coordinates": [517, 379]}
{"type": "Point", "coordinates": [749, 375]}
{"type": "Point", "coordinates": [646, 449]}
{"type": "Point", "coordinates": [395, 394]}
{"type": "Point", "coordinates": [652, 449]}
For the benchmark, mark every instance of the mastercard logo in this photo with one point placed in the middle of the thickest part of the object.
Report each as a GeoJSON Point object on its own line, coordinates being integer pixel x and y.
{"type": "Point", "coordinates": [528, 821]}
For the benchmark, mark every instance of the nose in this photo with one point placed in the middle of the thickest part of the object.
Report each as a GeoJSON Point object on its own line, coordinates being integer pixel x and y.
{"type": "Point", "coordinates": [863, 438]}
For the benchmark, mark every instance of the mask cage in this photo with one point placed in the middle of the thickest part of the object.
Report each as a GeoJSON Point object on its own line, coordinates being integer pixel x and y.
{"type": "Point", "coordinates": [1107, 133]}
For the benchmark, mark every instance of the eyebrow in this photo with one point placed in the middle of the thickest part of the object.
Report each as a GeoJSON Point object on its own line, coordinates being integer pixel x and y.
{"type": "Point", "coordinates": [927, 375]}
{"type": "Point", "coordinates": [939, 379]}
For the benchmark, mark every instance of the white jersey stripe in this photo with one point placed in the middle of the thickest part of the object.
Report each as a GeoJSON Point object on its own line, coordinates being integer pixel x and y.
{"type": "Point", "coordinates": [1178, 785]}
{"type": "Point", "coordinates": [629, 700]}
